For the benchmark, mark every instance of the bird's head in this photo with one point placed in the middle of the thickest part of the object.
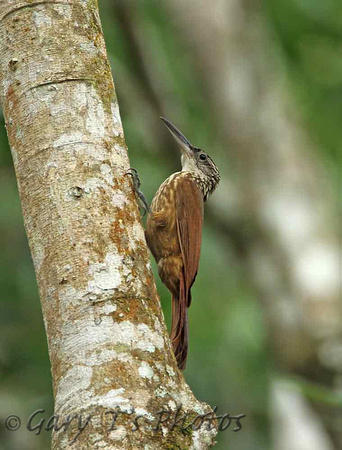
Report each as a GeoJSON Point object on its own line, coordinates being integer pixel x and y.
{"type": "Point", "coordinates": [195, 160]}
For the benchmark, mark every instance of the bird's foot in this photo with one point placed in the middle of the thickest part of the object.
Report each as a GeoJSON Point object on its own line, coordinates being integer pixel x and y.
{"type": "Point", "coordinates": [142, 202]}
{"type": "Point", "coordinates": [135, 177]}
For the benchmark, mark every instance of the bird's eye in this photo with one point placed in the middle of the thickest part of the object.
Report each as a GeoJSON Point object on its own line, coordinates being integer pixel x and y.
{"type": "Point", "coordinates": [203, 156]}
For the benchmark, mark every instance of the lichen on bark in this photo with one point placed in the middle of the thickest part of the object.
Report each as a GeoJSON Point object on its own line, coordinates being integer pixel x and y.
{"type": "Point", "coordinates": [107, 339]}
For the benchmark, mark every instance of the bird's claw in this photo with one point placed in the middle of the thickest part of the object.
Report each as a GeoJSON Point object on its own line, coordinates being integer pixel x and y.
{"type": "Point", "coordinates": [135, 177]}
{"type": "Point", "coordinates": [139, 195]}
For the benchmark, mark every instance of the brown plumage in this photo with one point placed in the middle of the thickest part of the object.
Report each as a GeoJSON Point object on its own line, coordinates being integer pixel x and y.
{"type": "Point", "coordinates": [174, 232]}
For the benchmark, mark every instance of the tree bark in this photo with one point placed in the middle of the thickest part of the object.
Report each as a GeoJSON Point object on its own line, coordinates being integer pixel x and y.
{"type": "Point", "coordinates": [108, 343]}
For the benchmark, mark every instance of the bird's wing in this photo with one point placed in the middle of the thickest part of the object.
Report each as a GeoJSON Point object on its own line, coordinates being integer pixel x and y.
{"type": "Point", "coordinates": [189, 206]}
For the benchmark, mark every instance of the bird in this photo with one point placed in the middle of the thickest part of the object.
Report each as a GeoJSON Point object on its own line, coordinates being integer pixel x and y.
{"type": "Point", "coordinates": [174, 232]}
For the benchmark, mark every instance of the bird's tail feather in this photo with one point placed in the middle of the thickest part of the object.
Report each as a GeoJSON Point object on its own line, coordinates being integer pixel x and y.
{"type": "Point", "coordinates": [179, 327]}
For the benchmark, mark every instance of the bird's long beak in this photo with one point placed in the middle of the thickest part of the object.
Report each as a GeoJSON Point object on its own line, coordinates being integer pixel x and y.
{"type": "Point", "coordinates": [185, 145]}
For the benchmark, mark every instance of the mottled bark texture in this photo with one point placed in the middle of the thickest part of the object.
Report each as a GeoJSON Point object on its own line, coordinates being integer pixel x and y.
{"type": "Point", "coordinates": [107, 340]}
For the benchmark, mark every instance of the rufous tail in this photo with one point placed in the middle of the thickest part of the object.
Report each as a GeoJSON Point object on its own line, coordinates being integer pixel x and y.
{"type": "Point", "coordinates": [179, 326]}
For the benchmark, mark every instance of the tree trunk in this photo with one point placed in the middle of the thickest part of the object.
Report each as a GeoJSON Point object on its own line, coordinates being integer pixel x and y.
{"type": "Point", "coordinates": [108, 343]}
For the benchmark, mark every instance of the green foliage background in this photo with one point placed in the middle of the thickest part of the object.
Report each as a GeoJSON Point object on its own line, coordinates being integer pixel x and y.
{"type": "Point", "coordinates": [231, 362]}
